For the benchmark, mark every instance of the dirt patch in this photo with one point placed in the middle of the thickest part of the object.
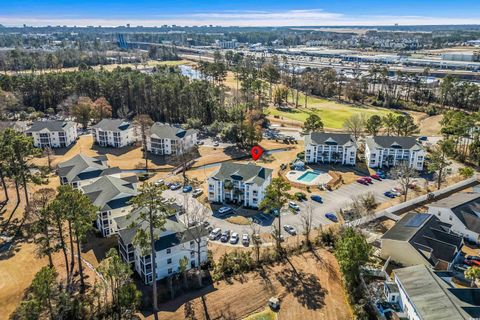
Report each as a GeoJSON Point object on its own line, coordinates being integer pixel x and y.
{"type": "Point", "coordinates": [239, 220]}
{"type": "Point", "coordinates": [309, 287]}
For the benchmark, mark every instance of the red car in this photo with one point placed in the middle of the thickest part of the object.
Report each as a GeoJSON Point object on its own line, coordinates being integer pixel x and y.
{"type": "Point", "coordinates": [376, 177]}
{"type": "Point", "coordinates": [363, 181]}
{"type": "Point", "coordinates": [473, 263]}
{"type": "Point", "coordinates": [368, 179]}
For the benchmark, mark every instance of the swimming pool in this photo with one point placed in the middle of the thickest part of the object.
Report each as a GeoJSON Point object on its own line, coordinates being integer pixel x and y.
{"type": "Point", "coordinates": [308, 176]}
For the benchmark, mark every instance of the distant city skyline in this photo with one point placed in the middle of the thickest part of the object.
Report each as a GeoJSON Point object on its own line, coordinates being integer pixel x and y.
{"type": "Point", "coordinates": [244, 13]}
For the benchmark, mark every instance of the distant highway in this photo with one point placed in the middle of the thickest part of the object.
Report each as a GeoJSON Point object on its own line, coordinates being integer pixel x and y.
{"type": "Point", "coordinates": [206, 55]}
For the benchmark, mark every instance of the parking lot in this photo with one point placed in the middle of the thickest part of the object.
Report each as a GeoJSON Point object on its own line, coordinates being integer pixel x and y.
{"type": "Point", "coordinates": [333, 201]}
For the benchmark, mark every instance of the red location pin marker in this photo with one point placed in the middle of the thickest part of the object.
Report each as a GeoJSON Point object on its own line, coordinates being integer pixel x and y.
{"type": "Point", "coordinates": [256, 152]}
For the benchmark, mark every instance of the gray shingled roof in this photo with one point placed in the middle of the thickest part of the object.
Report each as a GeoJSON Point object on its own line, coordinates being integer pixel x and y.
{"type": "Point", "coordinates": [115, 125]}
{"type": "Point", "coordinates": [109, 192]}
{"type": "Point", "coordinates": [466, 206]}
{"type": "Point", "coordinates": [82, 167]}
{"type": "Point", "coordinates": [172, 224]}
{"type": "Point", "coordinates": [426, 233]}
{"type": "Point", "coordinates": [167, 131]}
{"type": "Point", "coordinates": [247, 173]}
{"type": "Point", "coordinates": [51, 125]}
{"type": "Point", "coordinates": [430, 294]}
{"type": "Point", "coordinates": [329, 138]}
{"type": "Point", "coordinates": [392, 142]}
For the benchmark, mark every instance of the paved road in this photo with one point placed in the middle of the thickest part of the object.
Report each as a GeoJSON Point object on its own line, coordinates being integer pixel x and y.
{"type": "Point", "coordinates": [332, 202]}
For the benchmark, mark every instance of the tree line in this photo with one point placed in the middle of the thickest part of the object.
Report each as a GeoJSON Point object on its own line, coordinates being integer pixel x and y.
{"type": "Point", "coordinates": [165, 94]}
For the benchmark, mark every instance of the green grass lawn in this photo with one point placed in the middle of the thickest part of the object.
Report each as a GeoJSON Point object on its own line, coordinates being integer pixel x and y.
{"type": "Point", "coordinates": [333, 114]}
{"type": "Point", "coordinates": [267, 314]}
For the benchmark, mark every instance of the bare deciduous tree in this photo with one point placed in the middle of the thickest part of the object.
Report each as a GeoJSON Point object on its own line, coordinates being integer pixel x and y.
{"type": "Point", "coordinates": [404, 174]}
{"type": "Point", "coordinates": [195, 216]}
{"type": "Point", "coordinates": [306, 218]}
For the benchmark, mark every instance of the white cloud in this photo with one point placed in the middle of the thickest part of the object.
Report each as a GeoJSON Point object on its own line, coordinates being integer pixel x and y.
{"type": "Point", "coordinates": [314, 17]}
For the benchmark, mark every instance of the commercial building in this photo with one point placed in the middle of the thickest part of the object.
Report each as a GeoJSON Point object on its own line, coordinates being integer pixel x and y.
{"type": "Point", "coordinates": [323, 147]}
{"type": "Point", "coordinates": [53, 133]}
{"type": "Point", "coordinates": [421, 238]}
{"type": "Point", "coordinates": [166, 139]}
{"type": "Point", "coordinates": [115, 133]}
{"type": "Point", "coordinates": [389, 151]}
{"type": "Point", "coordinates": [462, 211]}
{"type": "Point", "coordinates": [242, 184]}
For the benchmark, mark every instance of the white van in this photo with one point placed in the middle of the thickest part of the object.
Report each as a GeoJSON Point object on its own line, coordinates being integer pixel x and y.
{"type": "Point", "coordinates": [215, 233]}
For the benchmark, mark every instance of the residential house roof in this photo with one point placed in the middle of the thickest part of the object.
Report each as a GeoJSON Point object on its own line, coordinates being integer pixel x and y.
{"type": "Point", "coordinates": [466, 206]}
{"type": "Point", "coordinates": [327, 138]}
{"type": "Point", "coordinates": [428, 235]}
{"type": "Point", "coordinates": [387, 142]}
{"type": "Point", "coordinates": [247, 173]}
{"type": "Point", "coordinates": [51, 125]}
{"type": "Point", "coordinates": [173, 233]}
{"type": "Point", "coordinates": [110, 193]}
{"type": "Point", "coordinates": [433, 298]}
{"type": "Point", "coordinates": [82, 167]}
{"type": "Point", "coordinates": [114, 125]}
{"type": "Point", "coordinates": [168, 131]}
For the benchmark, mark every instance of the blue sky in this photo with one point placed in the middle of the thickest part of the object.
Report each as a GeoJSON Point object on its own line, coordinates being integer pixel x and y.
{"type": "Point", "coordinates": [238, 12]}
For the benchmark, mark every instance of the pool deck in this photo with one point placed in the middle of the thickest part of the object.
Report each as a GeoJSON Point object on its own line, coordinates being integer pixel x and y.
{"type": "Point", "coordinates": [322, 178]}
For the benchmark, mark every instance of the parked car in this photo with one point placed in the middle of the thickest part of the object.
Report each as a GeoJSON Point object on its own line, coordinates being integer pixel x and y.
{"type": "Point", "coordinates": [472, 262]}
{"type": "Point", "coordinates": [224, 210]}
{"type": "Point", "coordinates": [290, 229]}
{"type": "Point", "coordinates": [245, 240]}
{"type": "Point", "coordinates": [368, 179]}
{"type": "Point", "coordinates": [381, 174]}
{"type": "Point", "coordinates": [169, 184]}
{"type": "Point", "coordinates": [159, 182]}
{"type": "Point", "coordinates": [216, 144]}
{"type": "Point", "coordinates": [234, 238]}
{"type": "Point", "coordinates": [376, 177]}
{"type": "Point", "coordinates": [175, 186]}
{"type": "Point", "coordinates": [187, 189]}
{"type": "Point", "coordinates": [293, 205]}
{"type": "Point", "coordinates": [206, 223]}
{"type": "Point", "coordinates": [197, 192]}
{"type": "Point", "coordinates": [225, 236]}
{"type": "Point", "coordinates": [363, 181]}
{"type": "Point", "coordinates": [473, 258]}
{"type": "Point", "coordinates": [423, 138]}
{"type": "Point", "coordinates": [199, 142]}
{"type": "Point", "coordinates": [316, 198]}
{"type": "Point", "coordinates": [300, 196]}
{"type": "Point", "coordinates": [331, 216]}
{"type": "Point", "coordinates": [215, 234]}
{"type": "Point", "coordinates": [210, 229]}
{"type": "Point", "coordinates": [389, 194]}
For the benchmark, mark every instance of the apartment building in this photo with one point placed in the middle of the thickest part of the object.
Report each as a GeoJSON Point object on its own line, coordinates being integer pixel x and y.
{"type": "Point", "coordinates": [116, 133]}
{"type": "Point", "coordinates": [421, 238]}
{"type": "Point", "coordinates": [174, 242]}
{"type": "Point", "coordinates": [424, 294]}
{"type": "Point", "coordinates": [242, 184]}
{"type": "Point", "coordinates": [462, 211]}
{"type": "Point", "coordinates": [388, 151]}
{"type": "Point", "coordinates": [112, 195]}
{"type": "Point", "coordinates": [166, 139]}
{"type": "Point", "coordinates": [323, 147]}
{"type": "Point", "coordinates": [82, 170]}
{"type": "Point", "coordinates": [52, 133]}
